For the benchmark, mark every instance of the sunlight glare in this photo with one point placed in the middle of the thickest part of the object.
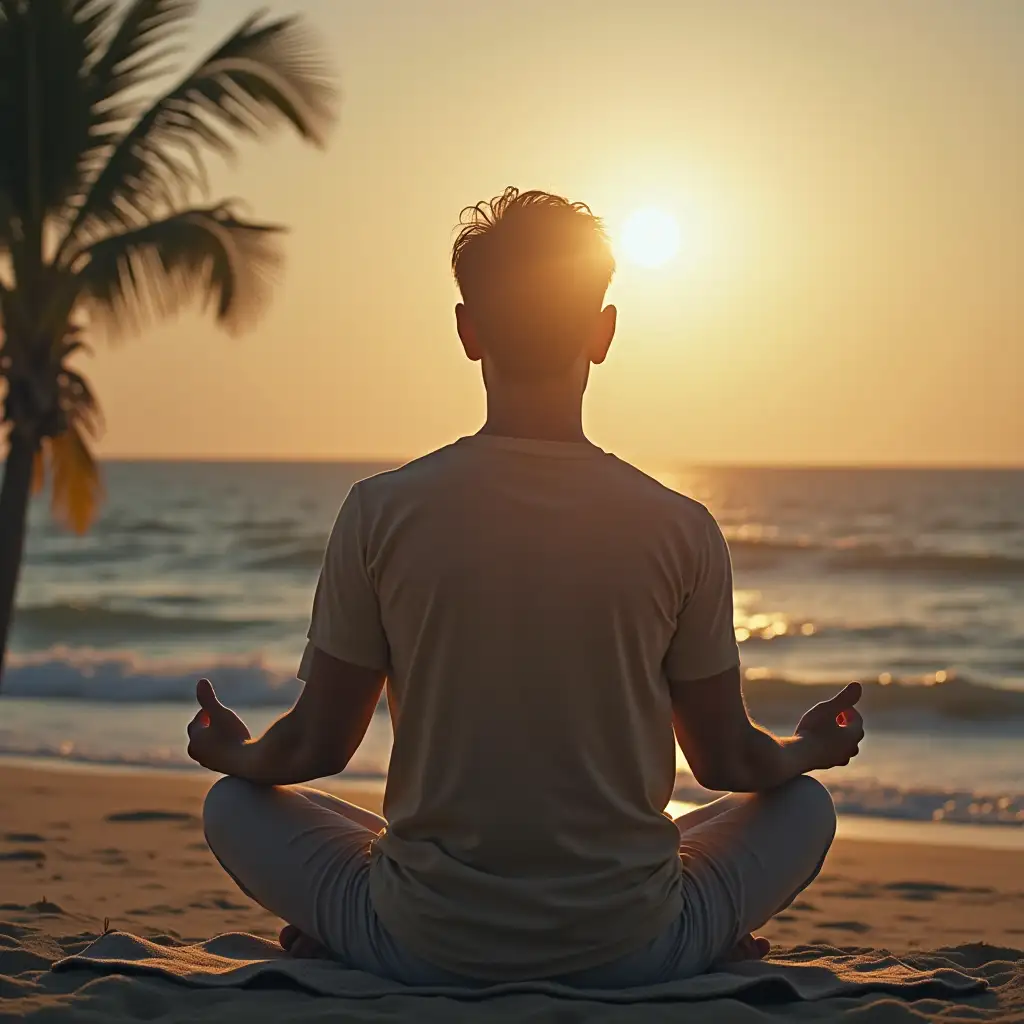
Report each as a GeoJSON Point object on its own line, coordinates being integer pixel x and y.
{"type": "Point", "coordinates": [649, 237]}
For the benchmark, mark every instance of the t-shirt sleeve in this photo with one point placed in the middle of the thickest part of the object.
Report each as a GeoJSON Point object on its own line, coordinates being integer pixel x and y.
{"type": "Point", "coordinates": [346, 620]}
{"type": "Point", "coordinates": [704, 643]}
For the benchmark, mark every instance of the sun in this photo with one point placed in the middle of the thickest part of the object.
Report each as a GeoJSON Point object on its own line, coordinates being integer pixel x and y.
{"type": "Point", "coordinates": [650, 237]}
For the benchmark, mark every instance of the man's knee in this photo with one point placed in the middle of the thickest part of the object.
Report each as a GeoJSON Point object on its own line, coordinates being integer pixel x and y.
{"type": "Point", "coordinates": [815, 811]}
{"type": "Point", "coordinates": [225, 810]}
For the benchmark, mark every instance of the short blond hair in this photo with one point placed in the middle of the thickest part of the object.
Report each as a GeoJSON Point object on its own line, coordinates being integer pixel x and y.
{"type": "Point", "coordinates": [532, 267]}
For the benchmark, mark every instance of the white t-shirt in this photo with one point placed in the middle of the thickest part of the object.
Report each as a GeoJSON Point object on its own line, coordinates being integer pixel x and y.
{"type": "Point", "coordinates": [529, 601]}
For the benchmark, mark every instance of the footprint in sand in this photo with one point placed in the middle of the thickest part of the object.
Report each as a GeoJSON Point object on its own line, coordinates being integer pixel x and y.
{"type": "Point", "coordinates": [29, 856]}
{"type": "Point", "coordinates": [925, 892]}
{"type": "Point", "coordinates": [858, 927]}
{"type": "Point", "coordinates": [111, 856]}
{"type": "Point", "coordinates": [864, 892]}
{"type": "Point", "coordinates": [24, 837]}
{"type": "Point", "coordinates": [218, 903]}
{"type": "Point", "coordinates": [43, 906]}
{"type": "Point", "coordinates": [159, 909]}
{"type": "Point", "coordinates": [136, 817]}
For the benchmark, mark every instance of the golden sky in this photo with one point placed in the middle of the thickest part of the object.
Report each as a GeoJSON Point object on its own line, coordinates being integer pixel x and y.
{"type": "Point", "coordinates": [848, 180]}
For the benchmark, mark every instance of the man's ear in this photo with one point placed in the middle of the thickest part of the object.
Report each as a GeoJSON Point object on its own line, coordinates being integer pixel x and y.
{"type": "Point", "coordinates": [604, 332]}
{"type": "Point", "coordinates": [467, 334]}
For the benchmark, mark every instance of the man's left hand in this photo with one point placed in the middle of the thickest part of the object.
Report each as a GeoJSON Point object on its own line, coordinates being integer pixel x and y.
{"type": "Point", "coordinates": [216, 735]}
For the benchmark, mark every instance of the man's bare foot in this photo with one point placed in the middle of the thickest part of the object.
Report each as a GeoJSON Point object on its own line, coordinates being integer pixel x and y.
{"type": "Point", "coordinates": [750, 947]}
{"type": "Point", "coordinates": [299, 945]}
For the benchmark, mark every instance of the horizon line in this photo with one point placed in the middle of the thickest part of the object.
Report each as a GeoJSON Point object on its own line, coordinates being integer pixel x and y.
{"type": "Point", "coordinates": [270, 460]}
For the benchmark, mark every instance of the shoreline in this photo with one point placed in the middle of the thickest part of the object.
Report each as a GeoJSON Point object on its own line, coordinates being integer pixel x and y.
{"type": "Point", "coordinates": [858, 827]}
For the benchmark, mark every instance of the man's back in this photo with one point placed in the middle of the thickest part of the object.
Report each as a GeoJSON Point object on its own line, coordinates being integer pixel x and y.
{"type": "Point", "coordinates": [527, 598]}
{"type": "Point", "coordinates": [545, 617]}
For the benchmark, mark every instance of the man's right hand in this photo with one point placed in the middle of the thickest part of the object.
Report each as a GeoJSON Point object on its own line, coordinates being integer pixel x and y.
{"type": "Point", "coordinates": [833, 729]}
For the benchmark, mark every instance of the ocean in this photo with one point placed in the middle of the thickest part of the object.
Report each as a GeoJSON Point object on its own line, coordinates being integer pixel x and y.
{"type": "Point", "coordinates": [909, 580]}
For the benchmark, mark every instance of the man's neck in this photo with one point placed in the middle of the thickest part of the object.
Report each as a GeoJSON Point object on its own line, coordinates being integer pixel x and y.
{"type": "Point", "coordinates": [546, 410]}
{"type": "Point", "coordinates": [535, 423]}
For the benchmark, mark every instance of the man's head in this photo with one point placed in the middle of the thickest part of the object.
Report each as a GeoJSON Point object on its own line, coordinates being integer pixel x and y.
{"type": "Point", "coordinates": [533, 269]}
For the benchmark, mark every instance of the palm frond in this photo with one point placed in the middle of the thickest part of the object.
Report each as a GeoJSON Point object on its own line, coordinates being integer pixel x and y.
{"type": "Point", "coordinates": [128, 280]}
{"type": "Point", "coordinates": [136, 48]}
{"type": "Point", "coordinates": [45, 106]}
{"type": "Point", "coordinates": [79, 403]}
{"type": "Point", "coordinates": [76, 489]}
{"type": "Point", "coordinates": [138, 45]}
{"type": "Point", "coordinates": [266, 73]}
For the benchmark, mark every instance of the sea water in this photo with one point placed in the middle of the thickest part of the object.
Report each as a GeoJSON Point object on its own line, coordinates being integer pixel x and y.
{"type": "Point", "coordinates": [909, 580]}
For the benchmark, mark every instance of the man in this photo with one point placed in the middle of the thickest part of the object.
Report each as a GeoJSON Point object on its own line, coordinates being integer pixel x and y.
{"type": "Point", "coordinates": [545, 616]}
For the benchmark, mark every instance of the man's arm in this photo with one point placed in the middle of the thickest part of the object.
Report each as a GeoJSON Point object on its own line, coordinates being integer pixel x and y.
{"type": "Point", "coordinates": [727, 751]}
{"type": "Point", "coordinates": [317, 737]}
{"type": "Point", "coordinates": [723, 747]}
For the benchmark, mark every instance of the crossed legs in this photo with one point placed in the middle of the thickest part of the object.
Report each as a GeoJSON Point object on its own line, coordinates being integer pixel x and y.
{"type": "Point", "coordinates": [303, 855]}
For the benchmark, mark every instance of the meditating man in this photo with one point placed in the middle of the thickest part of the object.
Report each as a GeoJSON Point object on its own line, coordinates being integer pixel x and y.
{"type": "Point", "coordinates": [548, 621]}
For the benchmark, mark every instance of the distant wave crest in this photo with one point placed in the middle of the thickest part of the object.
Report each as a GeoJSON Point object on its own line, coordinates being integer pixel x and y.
{"type": "Point", "coordinates": [911, 705]}
{"type": "Point", "coordinates": [70, 619]}
{"type": "Point", "coordinates": [104, 677]}
{"type": "Point", "coordinates": [306, 556]}
{"type": "Point", "coordinates": [755, 553]}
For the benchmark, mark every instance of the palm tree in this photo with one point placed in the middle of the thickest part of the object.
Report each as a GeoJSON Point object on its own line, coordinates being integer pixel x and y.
{"type": "Point", "coordinates": [100, 229]}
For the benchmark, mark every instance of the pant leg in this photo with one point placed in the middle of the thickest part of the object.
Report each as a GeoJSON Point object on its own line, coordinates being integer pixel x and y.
{"type": "Point", "coordinates": [747, 863]}
{"type": "Point", "coordinates": [295, 853]}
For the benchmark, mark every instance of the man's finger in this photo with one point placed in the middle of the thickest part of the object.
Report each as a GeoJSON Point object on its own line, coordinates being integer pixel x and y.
{"type": "Point", "coordinates": [846, 697]}
{"type": "Point", "coordinates": [207, 697]}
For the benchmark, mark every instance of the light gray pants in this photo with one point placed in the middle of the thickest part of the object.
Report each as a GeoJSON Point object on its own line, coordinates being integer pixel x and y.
{"type": "Point", "coordinates": [303, 855]}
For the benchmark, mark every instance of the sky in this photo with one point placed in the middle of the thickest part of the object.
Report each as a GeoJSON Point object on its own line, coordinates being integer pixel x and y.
{"type": "Point", "coordinates": [848, 181]}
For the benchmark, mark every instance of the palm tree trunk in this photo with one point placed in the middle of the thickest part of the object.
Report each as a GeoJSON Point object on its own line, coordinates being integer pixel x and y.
{"type": "Point", "coordinates": [14, 495]}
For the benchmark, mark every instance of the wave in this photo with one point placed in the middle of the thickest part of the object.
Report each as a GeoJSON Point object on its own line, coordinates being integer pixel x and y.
{"type": "Point", "coordinates": [872, 559]}
{"type": "Point", "coordinates": [308, 556]}
{"type": "Point", "coordinates": [907, 634]}
{"type": "Point", "coordinates": [125, 678]}
{"type": "Point", "coordinates": [141, 526]}
{"type": "Point", "coordinates": [87, 554]}
{"type": "Point", "coordinates": [92, 621]}
{"type": "Point", "coordinates": [916, 704]}
{"type": "Point", "coordinates": [876, 800]}
{"type": "Point", "coordinates": [755, 553]}
{"type": "Point", "coordinates": [102, 676]}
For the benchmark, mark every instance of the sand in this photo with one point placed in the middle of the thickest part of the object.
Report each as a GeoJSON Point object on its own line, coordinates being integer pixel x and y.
{"type": "Point", "coordinates": [81, 851]}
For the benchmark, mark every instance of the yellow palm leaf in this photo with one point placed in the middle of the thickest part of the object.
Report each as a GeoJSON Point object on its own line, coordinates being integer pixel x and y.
{"type": "Point", "coordinates": [38, 471]}
{"type": "Point", "coordinates": [76, 489]}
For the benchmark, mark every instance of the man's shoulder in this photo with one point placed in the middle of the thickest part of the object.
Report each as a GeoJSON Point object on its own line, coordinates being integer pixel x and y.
{"type": "Point", "coordinates": [676, 505]}
{"type": "Point", "coordinates": [380, 487]}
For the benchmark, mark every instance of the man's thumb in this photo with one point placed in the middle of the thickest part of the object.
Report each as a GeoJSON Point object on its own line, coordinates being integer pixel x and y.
{"type": "Point", "coordinates": [846, 697]}
{"type": "Point", "coordinates": [207, 697]}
